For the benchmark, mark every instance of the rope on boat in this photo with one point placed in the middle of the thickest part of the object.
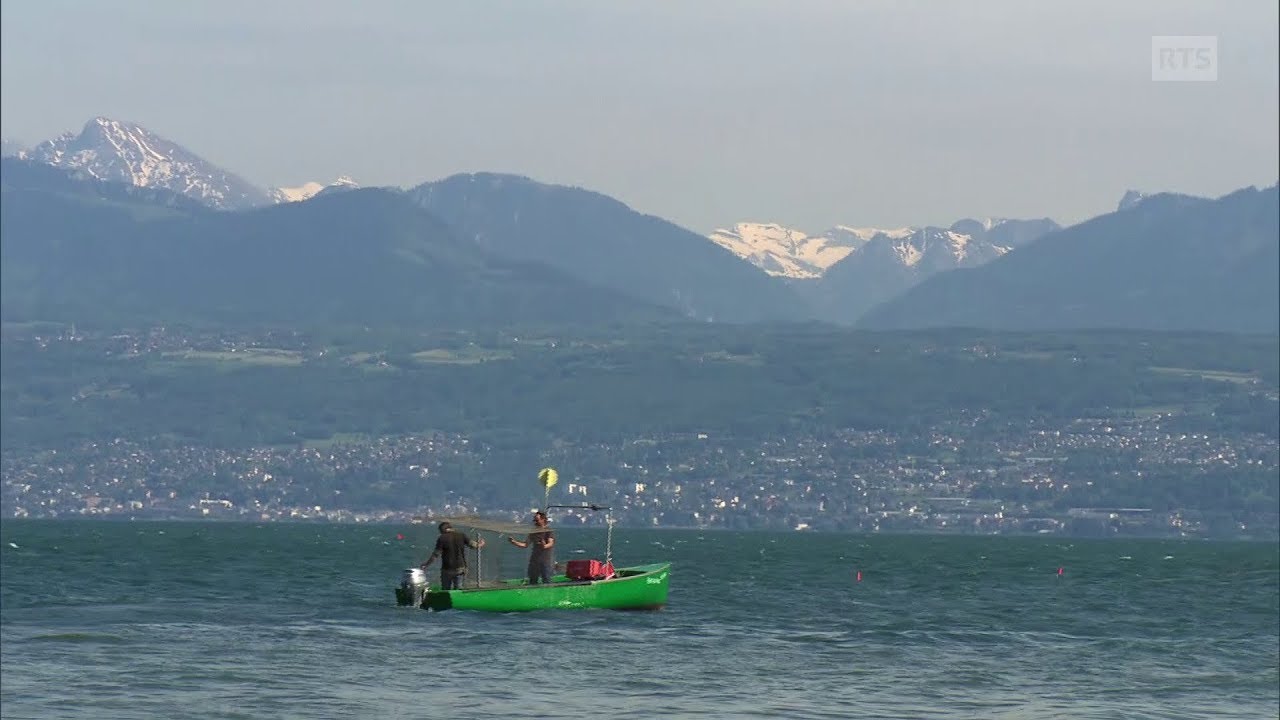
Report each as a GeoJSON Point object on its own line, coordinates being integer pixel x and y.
{"type": "Point", "coordinates": [608, 543]}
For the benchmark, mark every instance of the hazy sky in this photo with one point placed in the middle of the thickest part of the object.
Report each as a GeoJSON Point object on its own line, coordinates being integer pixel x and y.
{"type": "Point", "coordinates": [707, 113]}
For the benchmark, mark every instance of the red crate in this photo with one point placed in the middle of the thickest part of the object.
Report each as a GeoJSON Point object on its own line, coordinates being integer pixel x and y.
{"type": "Point", "coordinates": [588, 570]}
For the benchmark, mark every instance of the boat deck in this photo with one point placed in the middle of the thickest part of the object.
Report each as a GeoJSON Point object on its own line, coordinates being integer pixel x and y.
{"type": "Point", "coordinates": [631, 588]}
{"type": "Point", "coordinates": [556, 580]}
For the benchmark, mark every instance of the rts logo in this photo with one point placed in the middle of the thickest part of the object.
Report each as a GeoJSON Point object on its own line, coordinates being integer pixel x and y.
{"type": "Point", "coordinates": [1184, 58]}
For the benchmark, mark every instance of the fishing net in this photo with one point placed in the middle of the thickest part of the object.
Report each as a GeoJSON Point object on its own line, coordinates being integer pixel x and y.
{"type": "Point", "coordinates": [498, 560]}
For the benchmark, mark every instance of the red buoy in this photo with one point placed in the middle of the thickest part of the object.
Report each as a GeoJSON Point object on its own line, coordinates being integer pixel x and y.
{"type": "Point", "coordinates": [1059, 572]}
{"type": "Point", "coordinates": [859, 576]}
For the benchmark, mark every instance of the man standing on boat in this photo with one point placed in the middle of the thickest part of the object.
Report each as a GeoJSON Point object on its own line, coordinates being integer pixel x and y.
{"type": "Point", "coordinates": [541, 557]}
{"type": "Point", "coordinates": [451, 548]}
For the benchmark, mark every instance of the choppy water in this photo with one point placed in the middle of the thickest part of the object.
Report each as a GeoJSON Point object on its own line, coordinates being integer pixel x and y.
{"type": "Point", "coordinates": [147, 620]}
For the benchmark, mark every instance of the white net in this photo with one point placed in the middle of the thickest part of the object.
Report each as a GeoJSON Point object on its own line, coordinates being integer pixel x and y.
{"type": "Point", "coordinates": [498, 560]}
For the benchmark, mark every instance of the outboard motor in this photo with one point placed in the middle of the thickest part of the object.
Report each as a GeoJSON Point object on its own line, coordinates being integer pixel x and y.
{"type": "Point", "coordinates": [413, 587]}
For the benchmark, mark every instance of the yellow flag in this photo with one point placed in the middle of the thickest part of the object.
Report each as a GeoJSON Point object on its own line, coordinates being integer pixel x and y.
{"type": "Point", "coordinates": [548, 477]}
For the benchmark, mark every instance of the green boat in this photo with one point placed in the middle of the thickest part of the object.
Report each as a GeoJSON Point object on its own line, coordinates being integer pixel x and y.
{"type": "Point", "coordinates": [642, 587]}
{"type": "Point", "coordinates": [580, 583]}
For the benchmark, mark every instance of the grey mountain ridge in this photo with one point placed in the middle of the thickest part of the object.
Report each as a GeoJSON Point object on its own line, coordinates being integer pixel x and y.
{"type": "Point", "coordinates": [599, 239]}
{"type": "Point", "coordinates": [1170, 262]}
{"type": "Point", "coordinates": [888, 265]}
{"type": "Point", "coordinates": [367, 257]}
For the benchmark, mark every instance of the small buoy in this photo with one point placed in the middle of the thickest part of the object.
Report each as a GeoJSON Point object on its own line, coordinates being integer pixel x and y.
{"type": "Point", "coordinates": [399, 536]}
{"type": "Point", "coordinates": [1059, 572]}
{"type": "Point", "coordinates": [859, 576]}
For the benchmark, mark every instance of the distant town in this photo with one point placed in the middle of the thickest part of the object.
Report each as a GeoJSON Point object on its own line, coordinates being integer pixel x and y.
{"type": "Point", "coordinates": [700, 481]}
{"type": "Point", "coordinates": [968, 475]}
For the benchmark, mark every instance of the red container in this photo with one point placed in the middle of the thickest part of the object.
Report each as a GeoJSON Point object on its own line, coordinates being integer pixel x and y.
{"type": "Point", "coordinates": [587, 570]}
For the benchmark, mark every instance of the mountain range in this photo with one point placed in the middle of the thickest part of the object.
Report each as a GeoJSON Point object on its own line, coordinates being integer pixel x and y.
{"type": "Point", "coordinates": [85, 214]}
{"type": "Point", "coordinates": [846, 271]}
{"type": "Point", "coordinates": [786, 252]}
{"type": "Point", "coordinates": [70, 250]}
{"type": "Point", "coordinates": [597, 238]}
{"type": "Point", "coordinates": [114, 150]}
{"type": "Point", "coordinates": [1168, 262]}
{"type": "Point", "coordinates": [791, 253]}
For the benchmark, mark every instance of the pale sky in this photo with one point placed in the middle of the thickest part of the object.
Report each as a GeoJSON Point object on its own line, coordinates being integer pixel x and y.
{"type": "Point", "coordinates": [706, 112]}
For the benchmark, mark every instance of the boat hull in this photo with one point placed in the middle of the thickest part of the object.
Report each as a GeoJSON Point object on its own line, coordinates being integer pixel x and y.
{"type": "Point", "coordinates": [642, 587]}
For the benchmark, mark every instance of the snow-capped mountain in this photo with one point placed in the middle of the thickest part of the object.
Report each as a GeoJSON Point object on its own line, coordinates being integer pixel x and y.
{"type": "Point", "coordinates": [791, 253]}
{"type": "Point", "coordinates": [786, 252]}
{"type": "Point", "coordinates": [118, 151]}
{"type": "Point", "coordinates": [928, 250]}
{"type": "Point", "coordinates": [309, 190]}
{"type": "Point", "coordinates": [125, 152]}
{"type": "Point", "coordinates": [887, 263]}
{"type": "Point", "coordinates": [932, 249]}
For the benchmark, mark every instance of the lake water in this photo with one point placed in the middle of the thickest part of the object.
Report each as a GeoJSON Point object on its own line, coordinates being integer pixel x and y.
{"type": "Point", "coordinates": [213, 620]}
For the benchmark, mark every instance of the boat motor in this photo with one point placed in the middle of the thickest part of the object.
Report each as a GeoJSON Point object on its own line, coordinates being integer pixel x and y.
{"type": "Point", "coordinates": [413, 587]}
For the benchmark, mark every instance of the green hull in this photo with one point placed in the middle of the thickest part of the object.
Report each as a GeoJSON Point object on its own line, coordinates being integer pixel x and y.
{"type": "Point", "coordinates": [642, 587]}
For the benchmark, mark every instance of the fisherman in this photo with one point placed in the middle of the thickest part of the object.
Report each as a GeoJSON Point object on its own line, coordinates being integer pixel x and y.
{"type": "Point", "coordinates": [541, 556]}
{"type": "Point", "coordinates": [451, 548]}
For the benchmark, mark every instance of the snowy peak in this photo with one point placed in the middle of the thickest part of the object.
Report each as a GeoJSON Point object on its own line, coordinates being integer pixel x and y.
{"type": "Point", "coordinates": [791, 253]}
{"type": "Point", "coordinates": [294, 194]}
{"type": "Point", "coordinates": [967, 243]}
{"type": "Point", "coordinates": [112, 150]}
{"type": "Point", "coordinates": [892, 262]}
{"type": "Point", "coordinates": [933, 249]}
{"type": "Point", "coordinates": [117, 151]}
{"type": "Point", "coordinates": [786, 252]}
{"type": "Point", "coordinates": [309, 190]}
{"type": "Point", "coordinates": [783, 251]}
{"type": "Point", "coordinates": [927, 250]}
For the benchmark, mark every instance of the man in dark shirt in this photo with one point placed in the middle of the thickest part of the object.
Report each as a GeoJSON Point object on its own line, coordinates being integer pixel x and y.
{"type": "Point", "coordinates": [541, 557]}
{"type": "Point", "coordinates": [451, 548]}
